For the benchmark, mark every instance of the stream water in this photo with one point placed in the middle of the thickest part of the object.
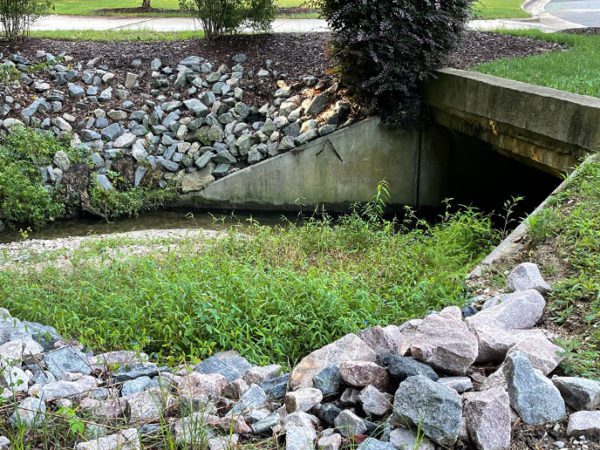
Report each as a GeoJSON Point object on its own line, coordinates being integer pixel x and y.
{"type": "Point", "coordinates": [157, 220]}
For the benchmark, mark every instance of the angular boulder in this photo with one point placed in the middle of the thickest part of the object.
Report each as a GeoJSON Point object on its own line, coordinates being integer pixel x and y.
{"type": "Point", "coordinates": [543, 354]}
{"type": "Point", "coordinates": [527, 276]}
{"type": "Point", "coordinates": [586, 423]}
{"type": "Point", "coordinates": [487, 415]}
{"type": "Point", "coordinates": [532, 395]}
{"type": "Point", "coordinates": [521, 310]}
{"type": "Point", "coordinates": [406, 439]}
{"type": "Point", "coordinates": [402, 367]}
{"type": "Point", "coordinates": [348, 348]}
{"type": "Point", "coordinates": [436, 409]}
{"type": "Point", "coordinates": [364, 373]}
{"type": "Point", "coordinates": [444, 342]}
{"type": "Point", "coordinates": [579, 393]}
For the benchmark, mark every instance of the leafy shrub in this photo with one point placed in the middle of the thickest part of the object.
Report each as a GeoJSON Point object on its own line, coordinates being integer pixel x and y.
{"type": "Point", "coordinates": [112, 204]}
{"type": "Point", "coordinates": [23, 198]}
{"type": "Point", "coordinates": [228, 16]}
{"type": "Point", "coordinates": [387, 49]}
{"type": "Point", "coordinates": [17, 16]}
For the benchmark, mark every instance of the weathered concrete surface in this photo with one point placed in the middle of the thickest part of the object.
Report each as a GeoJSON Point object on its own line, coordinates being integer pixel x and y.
{"type": "Point", "coordinates": [549, 129]}
{"type": "Point", "coordinates": [333, 171]}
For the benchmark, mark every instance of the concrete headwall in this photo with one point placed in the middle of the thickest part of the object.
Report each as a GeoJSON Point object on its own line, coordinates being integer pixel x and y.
{"type": "Point", "coordinates": [474, 115]}
{"type": "Point", "coordinates": [333, 171]}
{"type": "Point", "coordinates": [544, 127]}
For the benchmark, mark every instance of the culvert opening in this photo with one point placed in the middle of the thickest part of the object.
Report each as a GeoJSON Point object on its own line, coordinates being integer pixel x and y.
{"type": "Point", "coordinates": [478, 175]}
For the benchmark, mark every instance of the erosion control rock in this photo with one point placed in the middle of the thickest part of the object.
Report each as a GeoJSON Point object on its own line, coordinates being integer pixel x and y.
{"type": "Point", "coordinates": [532, 395]}
{"type": "Point", "coordinates": [521, 310]}
{"type": "Point", "coordinates": [579, 393]}
{"type": "Point", "coordinates": [527, 276]}
{"type": "Point", "coordinates": [405, 439]}
{"type": "Point", "coordinates": [402, 367]}
{"type": "Point", "coordinates": [348, 348]}
{"type": "Point", "coordinates": [436, 409]}
{"type": "Point", "coordinates": [444, 342]}
{"type": "Point", "coordinates": [364, 373]}
{"type": "Point", "coordinates": [586, 423]}
{"type": "Point", "coordinates": [488, 420]}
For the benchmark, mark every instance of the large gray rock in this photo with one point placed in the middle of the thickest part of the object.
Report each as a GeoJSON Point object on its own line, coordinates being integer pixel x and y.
{"type": "Point", "coordinates": [254, 398]}
{"type": "Point", "coordinates": [349, 424]}
{"type": "Point", "coordinates": [579, 393]}
{"type": "Point", "coordinates": [375, 444]}
{"type": "Point", "coordinates": [388, 340]}
{"type": "Point", "coordinates": [148, 406]}
{"type": "Point", "coordinates": [444, 342]}
{"type": "Point", "coordinates": [196, 181]}
{"type": "Point", "coordinates": [532, 395]}
{"type": "Point", "coordinates": [519, 311]}
{"type": "Point", "coordinates": [374, 402]}
{"type": "Point", "coordinates": [402, 367]}
{"type": "Point", "coordinates": [405, 439]}
{"type": "Point", "coordinates": [487, 415]}
{"type": "Point", "coordinates": [459, 384]}
{"type": "Point", "coordinates": [123, 440]}
{"type": "Point", "coordinates": [527, 276]}
{"type": "Point", "coordinates": [328, 381]}
{"type": "Point", "coordinates": [229, 364]}
{"type": "Point", "coordinates": [66, 389]}
{"type": "Point", "coordinates": [348, 348]}
{"type": "Point", "coordinates": [67, 359]}
{"type": "Point", "coordinates": [276, 388]}
{"type": "Point", "coordinates": [543, 354]}
{"type": "Point", "coordinates": [436, 409]}
{"type": "Point", "coordinates": [364, 373]}
{"type": "Point", "coordinates": [30, 413]}
{"type": "Point", "coordinates": [302, 399]}
{"type": "Point", "coordinates": [300, 438]}
{"type": "Point", "coordinates": [586, 423]}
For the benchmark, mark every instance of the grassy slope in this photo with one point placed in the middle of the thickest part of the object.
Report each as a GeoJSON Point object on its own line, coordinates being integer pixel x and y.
{"type": "Point", "coordinates": [274, 297]}
{"type": "Point", "coordinates": [576, 70]}
{"type": "Point", "coordinates": [564, 240]}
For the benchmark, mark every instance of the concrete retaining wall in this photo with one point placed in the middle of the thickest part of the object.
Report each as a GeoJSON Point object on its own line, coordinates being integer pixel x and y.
{"type": "Point", "coordinates": [333, 171]}
{"type": "Point", "coordinates": [547, 128]}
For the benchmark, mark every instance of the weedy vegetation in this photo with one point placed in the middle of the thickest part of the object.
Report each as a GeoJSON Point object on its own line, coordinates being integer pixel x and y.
{"type": "Point", "coordinates": [272, 293]}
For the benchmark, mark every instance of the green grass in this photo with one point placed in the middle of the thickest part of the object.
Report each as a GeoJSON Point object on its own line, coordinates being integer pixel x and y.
{"type": "Point", "coordinates": [569, 231]}
{"type": "Point", "coordinates": [484, 9]}
{"type": "Point", "coordinates": [274, 297]}
{"type": "Point", "coordinates": [499, 9]}
{"type": "Point", "coordinates": [576, 70]}
{"type": "Point", "coordinates": [117, 36]}
{"type": "Point", "coordinates": [90, 7]}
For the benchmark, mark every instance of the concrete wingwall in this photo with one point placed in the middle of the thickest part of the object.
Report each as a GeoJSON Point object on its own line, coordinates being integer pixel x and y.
{"type": "Point", "coordinates": [333, 171]}
{"type": "Point", "coordinates": [543, 128]}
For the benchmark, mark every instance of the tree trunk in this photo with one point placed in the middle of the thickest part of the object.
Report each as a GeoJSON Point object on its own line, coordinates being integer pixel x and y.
{"type": "Point", "coordinates": [146, 3]}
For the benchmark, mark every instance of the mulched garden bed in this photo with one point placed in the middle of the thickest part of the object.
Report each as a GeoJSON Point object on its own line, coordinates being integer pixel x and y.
{"type": "Point", "coordinates": [293, 55]}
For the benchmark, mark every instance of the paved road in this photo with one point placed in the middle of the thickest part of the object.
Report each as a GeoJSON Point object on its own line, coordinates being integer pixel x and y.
{"type": "Point", "coordinates": [582, 12]}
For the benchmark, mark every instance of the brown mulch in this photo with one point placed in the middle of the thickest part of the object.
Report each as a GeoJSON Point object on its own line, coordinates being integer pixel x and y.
{"type": "Point", "coordinates": [293, 55]}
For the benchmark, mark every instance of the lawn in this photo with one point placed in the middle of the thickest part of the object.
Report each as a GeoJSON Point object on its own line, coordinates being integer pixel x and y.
{"type": "Point", "coordinates": [89, 8]}
{"type": "Point", "coordinates": [484, 9]}
{"type": "Point", "coordinates": [575, 70]}
{"type": "Point", "coordinates": [274, 296]}
{"type": "Point", "coordinates": [499, 9]}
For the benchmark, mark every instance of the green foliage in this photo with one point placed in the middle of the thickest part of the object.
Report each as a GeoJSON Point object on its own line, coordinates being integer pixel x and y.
{"type": "Point", "coordinates": [387, 49]}
{"type": "Point", "coordinates": [23, 198]}
{"type": "Point", "coordinates": [17, 16]}
{"type": "Point", "coordinates": [272, 294]}
{"type": "Point", "coordinates": [228, 16]}
{"type": "Point", "coordinates": [569, 229]}
{"type": "Point", "coordinates": [112, 204]}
